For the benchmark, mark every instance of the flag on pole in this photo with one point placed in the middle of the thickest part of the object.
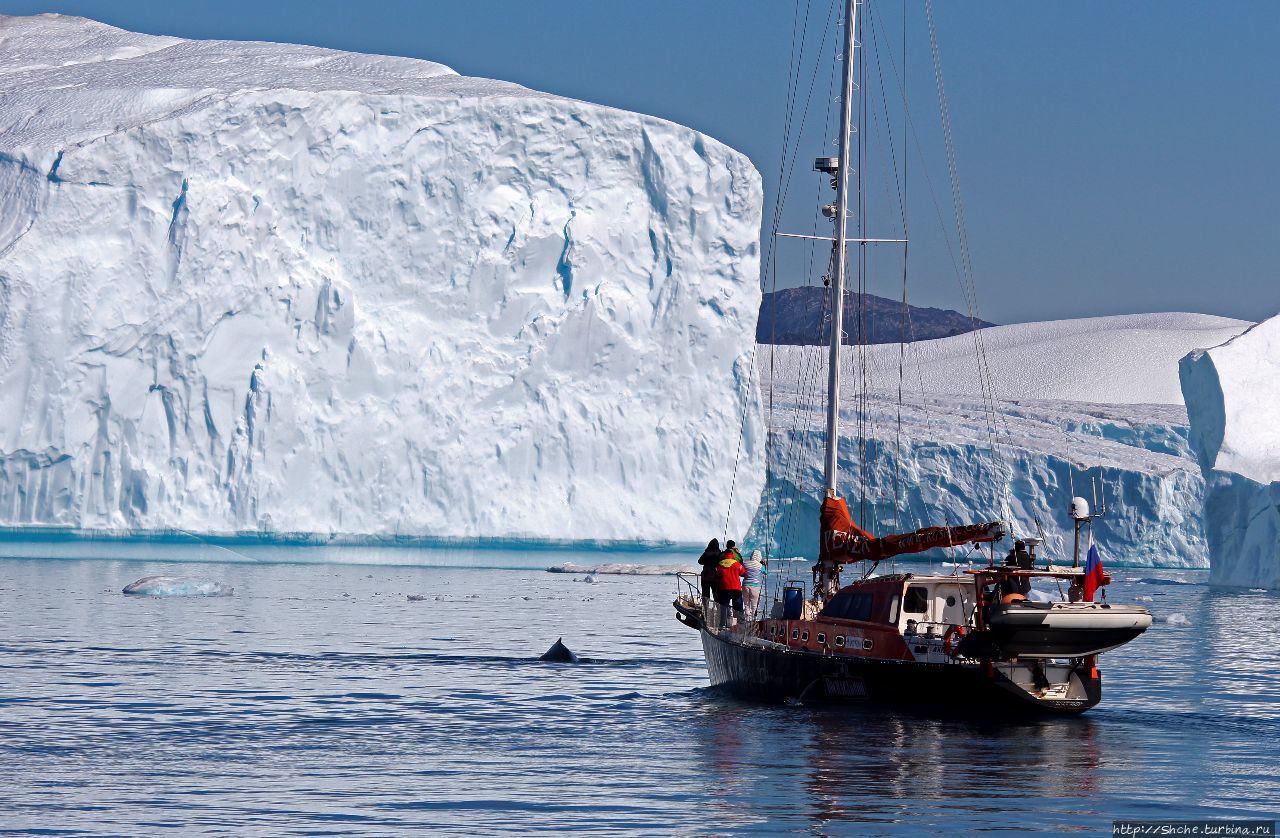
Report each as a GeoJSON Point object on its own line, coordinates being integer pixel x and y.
{"type": "Point", "coordinates": [1094, 576]}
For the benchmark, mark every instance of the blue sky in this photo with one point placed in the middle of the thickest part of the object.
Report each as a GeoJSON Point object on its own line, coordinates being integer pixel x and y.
{"type": "Point", "coordinates": [1114, 157]}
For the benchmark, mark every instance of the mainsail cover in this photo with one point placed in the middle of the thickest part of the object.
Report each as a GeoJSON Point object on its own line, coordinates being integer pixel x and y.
{"type": "Point", "coordinates": [845, 541]}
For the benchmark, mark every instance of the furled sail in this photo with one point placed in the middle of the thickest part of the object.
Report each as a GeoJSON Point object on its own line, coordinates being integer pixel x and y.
{"type": "Point", "coordinates": [845, 541]}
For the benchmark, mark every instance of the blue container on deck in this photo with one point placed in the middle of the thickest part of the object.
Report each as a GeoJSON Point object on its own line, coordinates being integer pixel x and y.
{"type": "Point", "coordinates": [792, 603]}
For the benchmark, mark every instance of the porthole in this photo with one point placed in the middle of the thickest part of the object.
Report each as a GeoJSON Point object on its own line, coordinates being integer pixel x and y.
{"type": "Point", "coordinates": [822, 638]}
{"type": "Point", "coordinates": [867, 643]}
{"type": "Point", "coordinates": [951, 602]}
{"type": "Point", "coordinates": [839, 639]}
{"type": "Point", "coordinates": [795, 633]}
{"type": "Point", "coordinates": [804, 636]}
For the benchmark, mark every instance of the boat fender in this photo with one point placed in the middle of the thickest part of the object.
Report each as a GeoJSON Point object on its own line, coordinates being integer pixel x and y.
{"type": "Point", "coordinates": [951, 640]}
{"type": "Point", "coordinates": [1009, 599]}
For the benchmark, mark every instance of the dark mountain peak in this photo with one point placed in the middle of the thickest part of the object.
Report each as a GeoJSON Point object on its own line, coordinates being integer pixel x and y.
{"type": "Point", "coordinates": [800, 317]}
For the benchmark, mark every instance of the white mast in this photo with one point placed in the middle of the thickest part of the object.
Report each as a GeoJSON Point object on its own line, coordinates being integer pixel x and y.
{"type": "Point", "coordinates": [838, 248]}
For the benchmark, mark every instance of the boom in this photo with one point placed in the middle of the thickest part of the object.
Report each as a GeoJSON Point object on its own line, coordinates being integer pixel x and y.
{"type": "Point", "coordinates": [844, 541]}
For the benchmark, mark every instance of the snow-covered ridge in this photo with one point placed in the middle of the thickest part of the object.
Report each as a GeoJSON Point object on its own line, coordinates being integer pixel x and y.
{"type": "Point", "coordinates": [259, 286]}
{"type": "Point", "coordinates": [67, 80]}
{"type": "Point", "coordinates": [1121, 359]}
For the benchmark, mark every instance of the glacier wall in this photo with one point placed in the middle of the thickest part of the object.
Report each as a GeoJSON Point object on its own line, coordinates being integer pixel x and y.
{"type": "Point", "coordinates": [1231, 397]}
{"type": "Point", "coordinates": [259, 286]}
{"type": "Point", "coordinates": [1046, 449]}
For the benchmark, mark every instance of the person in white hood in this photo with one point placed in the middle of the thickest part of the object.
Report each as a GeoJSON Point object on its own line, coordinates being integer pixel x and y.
{"type": "Point", "coordinates": [752, 582]}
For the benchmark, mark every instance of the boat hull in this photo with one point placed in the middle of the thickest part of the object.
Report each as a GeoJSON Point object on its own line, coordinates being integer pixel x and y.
{"type": "Point", "coordinates": [770, 672]}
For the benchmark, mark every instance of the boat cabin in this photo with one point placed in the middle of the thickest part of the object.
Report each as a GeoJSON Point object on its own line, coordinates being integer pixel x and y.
{"type": "Point", "coordinates": [913, 604]}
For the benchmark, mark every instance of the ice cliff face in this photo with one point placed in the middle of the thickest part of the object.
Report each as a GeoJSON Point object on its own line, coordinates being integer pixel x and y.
{"type": "Point", "coordinates": [1232, 402]}
{"type": "Point", "coordinates": [286, 288]}
{"type": "Point", "coordinates": [1079, 400]}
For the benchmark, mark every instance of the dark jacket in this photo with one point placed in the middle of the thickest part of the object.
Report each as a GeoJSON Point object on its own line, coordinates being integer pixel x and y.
{"type": "Point", "coordinates": [709, 559]}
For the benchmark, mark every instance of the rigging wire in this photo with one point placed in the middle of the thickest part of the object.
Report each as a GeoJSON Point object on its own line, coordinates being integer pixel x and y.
{"type": "Point", "coordinates": [986, 380]}
{"type": "Point", "coordinates": [771, 261]}
{"type": "Point", "coordinates": [807, 366]}
{"type": "Point", "coordinates": [785, 177]}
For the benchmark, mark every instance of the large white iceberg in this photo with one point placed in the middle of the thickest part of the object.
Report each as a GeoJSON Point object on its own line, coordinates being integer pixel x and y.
{"type": "Point", "coordinates": [260, 286]}
{"type": "Point", "coordinates": [1232, 393]}
{"type": "Point", "coordinates": [1076, 401]}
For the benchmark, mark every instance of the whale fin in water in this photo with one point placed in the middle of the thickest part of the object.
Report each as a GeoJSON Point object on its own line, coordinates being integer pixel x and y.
{"type": "Point", "coordinates": [559, 653]}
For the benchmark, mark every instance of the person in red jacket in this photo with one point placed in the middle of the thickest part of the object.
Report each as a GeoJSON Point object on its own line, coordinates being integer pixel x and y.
{"type": "Point", "coordinates": [729, 575]}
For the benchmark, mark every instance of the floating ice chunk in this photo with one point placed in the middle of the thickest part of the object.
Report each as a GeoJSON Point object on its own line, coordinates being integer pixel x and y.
{"type": "Point", "coordinates": [622, 569]}
{"type": "Point", "coordinates": [1143, 599]}
{"type": "Point", "coordinates": [177, 586]}
{"type": "Point", "coordinates": [415, 597]}
{"type": "Point", "coordinates": [1174, 619]}
{"type": "Point", "coordinates": [1041, 596]}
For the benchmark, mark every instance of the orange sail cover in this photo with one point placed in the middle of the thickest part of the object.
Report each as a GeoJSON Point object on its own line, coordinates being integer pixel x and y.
{"type": "Point", "coordinates": [845, 541]}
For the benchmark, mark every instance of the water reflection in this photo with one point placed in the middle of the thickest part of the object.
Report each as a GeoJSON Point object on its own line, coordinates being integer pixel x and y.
{"type": "Point", "coordinates": [859, 765]}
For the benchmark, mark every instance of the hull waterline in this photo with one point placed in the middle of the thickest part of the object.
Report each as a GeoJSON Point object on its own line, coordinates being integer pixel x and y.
{"type": "Point", "coordinates": [767, 672]}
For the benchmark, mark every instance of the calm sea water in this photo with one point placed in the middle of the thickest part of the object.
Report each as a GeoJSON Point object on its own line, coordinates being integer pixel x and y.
{"type": "Point", "coordinates": [320, 699]}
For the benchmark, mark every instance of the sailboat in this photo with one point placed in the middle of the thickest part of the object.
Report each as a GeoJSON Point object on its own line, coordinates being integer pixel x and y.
{"type": "Point", "coordinates": [972, 639]}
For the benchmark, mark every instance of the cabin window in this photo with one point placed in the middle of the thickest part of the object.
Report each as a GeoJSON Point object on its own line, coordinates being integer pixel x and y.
{"type": "Point", "coordinates": [822, 638]}
{"type": "Point", "coordinates": [795, 633]}
{"type": "Point", "coordinates": [893, 608]}
{"type": "Point", "coordinates": [839, 639]}
{"type": "Point", "coordinates": [804, 635]}
{"type": "Point", "coordinates": [850, 605]}
{"type": "Point", "coordinates": [917, 601]}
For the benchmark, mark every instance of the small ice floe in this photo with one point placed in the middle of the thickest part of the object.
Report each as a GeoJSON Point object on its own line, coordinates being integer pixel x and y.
{"type": "Point", "coordinates": [416, 597]}
{"type": "Point", "coordinates": [622, 569]}
{"type": "Point", "coordinates": [1041, 596]}
{"type": "Point", "coordinates": [177, 586]}
{"type": "Point", "coordinates": [1174, 619]}
{"type": "Point", "coordinates": [589, 579]}
{"type": "Point", "coordinates": [1144, 599]}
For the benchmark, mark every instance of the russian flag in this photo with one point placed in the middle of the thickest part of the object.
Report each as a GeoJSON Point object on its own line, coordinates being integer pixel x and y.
{"type": "Point", "coordinates": [1094, 577]}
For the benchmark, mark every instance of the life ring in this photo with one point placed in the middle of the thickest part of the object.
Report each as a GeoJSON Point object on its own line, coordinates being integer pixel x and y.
{"type": "Point", "coordinates": [956, 634]}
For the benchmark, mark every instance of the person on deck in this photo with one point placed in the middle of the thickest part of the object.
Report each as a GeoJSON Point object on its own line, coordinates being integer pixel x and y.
{"type": "Point", "coordinates": [731, 551]}
{"type": "Point", "coordinates": [708, 560]}
{"type": "Point", "coordinates": [1019, 557]}
{"type": "Point", "coordinates": [729, 575]}
{"type": "Point", "coordinates": [752, 581]}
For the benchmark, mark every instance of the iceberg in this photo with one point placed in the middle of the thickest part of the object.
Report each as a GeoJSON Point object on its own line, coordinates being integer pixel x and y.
{"type": "Point", "coordinates": [1231, 392]}
{"type": "Point", "coordinates": [284, 289]}
{"type": "Point", "coordinates": [166, 586]}
{"type": "Point", "coordinates": [1077, 401]}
